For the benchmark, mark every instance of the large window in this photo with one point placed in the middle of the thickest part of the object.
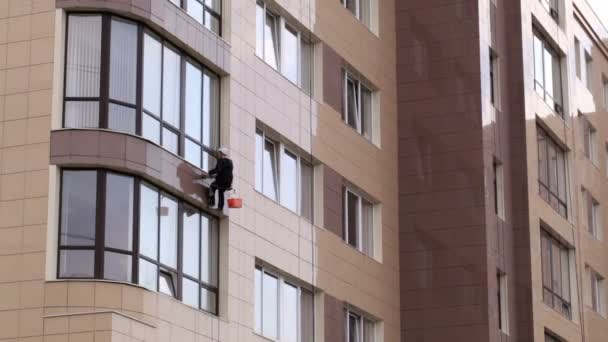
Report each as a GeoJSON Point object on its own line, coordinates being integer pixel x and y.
{"type": "Point", "coordinates": [283, 310]}
{"type": "Point", "coordinates": [592, 208]}
{"type": "Point", "coordinates": [555, 258]}
{"type": "Point", "coordinates": [357, 105]}
{"type": "Point", "coordinates": [552, 172]}
{"type": "Point", "coordinates": [118, 227]}
{"type": "Point", "coordinates": [358, 222]}
{"type": "Point", "coordinates": [361, 9]}
{"type": "Point", "coordinates": [283, 47]}
{"type": "Point", "coordinates": [547, 73]}
{"type": "Point", "coordinates": [597, 292]}
{"type": "Point", "coordinates": [283, 176]}
{"type": "Point", "coordinates": [589, 141]}
{"type": "Point", "coordinates": [359, 328]}
{"type": "Point", "coordinates": [121, 76]}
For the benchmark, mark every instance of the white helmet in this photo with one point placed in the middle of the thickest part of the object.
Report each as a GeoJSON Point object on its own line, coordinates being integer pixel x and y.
{"type": "Point", "coordinates": [223, 150]}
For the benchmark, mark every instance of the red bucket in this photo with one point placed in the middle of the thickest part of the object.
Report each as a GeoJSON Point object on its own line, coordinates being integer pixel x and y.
{"type": "Point", "coordinates": [235, 203]}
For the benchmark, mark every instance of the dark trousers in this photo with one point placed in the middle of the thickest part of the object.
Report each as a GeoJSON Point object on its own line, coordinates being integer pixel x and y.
{"type": "Point", "coordinates": [212, 188]}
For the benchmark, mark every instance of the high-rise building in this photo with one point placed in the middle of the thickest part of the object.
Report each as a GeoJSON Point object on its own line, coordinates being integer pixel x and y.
{"type": "Point", "coordinates": [410, 170]}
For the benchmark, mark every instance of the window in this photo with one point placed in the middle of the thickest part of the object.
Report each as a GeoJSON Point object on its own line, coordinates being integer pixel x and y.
{"type": "Point", "coordinates": [547, 73]}
{"type": "Point", "coordinates": [494, 91]}
{"type": "Point", "coordinates": [104, 93]}
{"type": "Point", "coordinates": [577, 58]}
{"type": "Point", "coordinates": [357, 106]}
{"type": "Point", "coordinates": [99, 219]}
{"type": "Point", "coordinates": [283, 47]}
{"type": "Point", "coordinates": [597, 292]}
{"type": "Point", "coordinates": [283, 176]}
{"type": "Point", "coordinates": [361, 9]}
{"type": "Point", "coordinates": [207, 13]}
{"type": "Point", "coordinates": [502, 302]}
{"type": "Point", "coordinates": [555, 260]}
{"type": "Point", "coordinates": [551, 7]}
{"type": "Point", "coordinates": [359, 328]}
{"type": "Point", "coordinates": [283, 310]}
{"type": "Point", "coordinates": [499, 190]}
{"type": "Point", "coordinates": [605, 90]}
{"type": "Point", "coordinates": [552, 172]}
{"type": "Point", "coordinates": [589, 141]}
{"type": "Point", "coordinates": [588, 70]}
{"type": "Point", "coordinates": [551, 338]}
{"type": "Point", "coordinates": [358, 222]}
{"type": "Point", "coordinates": [593, 214]}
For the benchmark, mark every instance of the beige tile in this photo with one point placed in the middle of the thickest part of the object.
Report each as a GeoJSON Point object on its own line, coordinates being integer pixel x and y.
{"type": "Point", "coordinates": [42, 51]}
{"type": "Point", "coordinates": [56, 325]}
{"type": "Point", "coordinates": [9, 324]}
{"type": "Point", "coordinates": [17, 80]}
{"type": "Point", "coordinates": [34, 239]}
{"type": "Point", "coordinates": [3, 82]}
{"type": "Point", "coordinates": [103, 336]}
{"type": "Point", "coordinates": [41, 76]}
{"type": "Point", "coordinates": [81, 323]}
{"type": "Point", "coordinates": [9, 296]}
{"type": "Point", "coordinates": [13, 160]}
{"type": "Point", "coordinates": [9, 268]}
{"type": "Point", "coordinates": [3, 9]}
{"type": "Point", "coordinates": [56, 294]}
{"type": "Point", "coordinates": [30, 322]}
{"type": "Point", "coordinates": [15, 106]}
{"type": "Point", "coordinates": [32, 266]}
{"type": "Point", "coordinates": [39, 103]}
{"type": "Point", "coordinates": [132, 298]}
{"type": "Point", "coordinates": [43, 5]}
{"type": "Point", "coordinates": [57, 338]}
{"type": "Point", "coordinates": [12, 186]}
{"type": "Point", "coordinates": [43, 25]}
{"type": "Point", "coordinates": [37, 156]}
{"type": "Point", "coordinates": [19, 28]}
{"type": "Point", "coordinates": [19, 7]}
{"type": "Point", "coordinates": [35, 211]}
{"type": "Point", "coordinates": [18, 54]}
{"type": "Point", "coordinates": [39, 130]}
{"type": "Point", "coordinates": [10, 240]}
{"type": "Point", "coordinates": [3, 49]}
{"type": "Point", "coordinates": [36, 183]}
{"type": "Point", "coordinates": [81, 294]}
{"type": "Point", "coordinates": [31, 339]}
{"type": "Point", "coordinates": [108, 295]}
{"type": "Point", "coordinates": [11, 213]}
{"type": "Point", "coordinates": [2, 101]}
{"type": "Point", "coordinates": [82, 337]}
{"type": "Point", "coordinates": [14, 133]}
{"type": "Point", "coordinates": [32, 294]}
{"type": "Point", "coordinates": [103, 321]}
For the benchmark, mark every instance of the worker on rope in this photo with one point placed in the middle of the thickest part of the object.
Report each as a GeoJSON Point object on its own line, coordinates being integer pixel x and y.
{"type": "Point", "coordinates": [222, 172]}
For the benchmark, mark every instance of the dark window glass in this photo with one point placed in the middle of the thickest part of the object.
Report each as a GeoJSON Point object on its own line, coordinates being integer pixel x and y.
{"type": "Point", "coordinates": [552, 172]}
{"type": "Point", "coordinates": [119, 212]}
{"type": "Point", "coordinates": [78, 208]}
{"type": "Point", "coordinates": [76, 263]}
{"type": "Point", "coordinates": [121, 118]}
{"type": "Point", "coordinates": [83, 57]}
{"type": "Point", "coordinates": [556, 274]}
{"type": "Point", "coordinates": [117, 266]}
{"type": "Point", "coordinates": [352, 204]}
{"type": "Point", "coordinates": [123, 61]}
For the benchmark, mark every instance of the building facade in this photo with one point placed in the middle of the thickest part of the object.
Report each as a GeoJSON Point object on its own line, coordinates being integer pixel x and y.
{"type": "Point", "coordinates": [410, 170]}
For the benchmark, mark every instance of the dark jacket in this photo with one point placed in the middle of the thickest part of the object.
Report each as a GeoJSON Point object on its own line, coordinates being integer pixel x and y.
{"type": "Point", "coordinates": [222, 173]}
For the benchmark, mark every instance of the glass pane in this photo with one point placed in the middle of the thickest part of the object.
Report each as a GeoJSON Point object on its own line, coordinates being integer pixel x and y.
{"type": "Point", "coordinates": [542, 159]}
{"type": "Point", "coordinates": [290, 46]}
{"type": "Point", "coordinates": [148, 275]}
{"type": "Point", "coordinates": [565, 263]}
{"type": "Point", "coordinates": [270, 41]}
{"type": "Point", "coordinates": [368, 331]}
{"type": "Point", "coordinates": [548, 65]}
{"type": "Point", "coordinates": [195, 9]}
{"type": "Point", "coordinates": [76, 264]}
{"type": "Point", "coordinates": [270, 314]}
{"type": "Point", "coordinates": [123, 61]}
{"type": "Point", "coordinates": [152, 74]}
{"type": "Point", "coordinates": [117, 267]}
{"type": "Point", "coordinates": [78, 208]}
{"type": "Point", "coordinates": [215, 5]}
{"type": "Point", "coordinates": [258, 301]}
{"type": "Point", "coordinates": [81, 114]}
{"type": "Point", "coordinates": [83, 56]}
{"type": "Point", "coordinates": [119, 212]}
{"type": "Point", "coordinates": [208, 300]}
{"type": "Point", "coordinates": [269, 170]}
{"type": "Point", "coordinates": [259, 143]}
{"type": "Point", "coordinates": [209, 162]}
{"type": "Point", "coordinates": [352, 104]}
{"type": "Point", "coordinates": [209, 250]}
{"type": "Point", "coordinates": [353, 328]}
{"type": "Point", "coordinates": [552, 168]}
{"type": "Point", "coordinates": [170, 140]}
{"type": "Point", "coordinates": [366, 112]}
{"type": "Point", "coordinates": [289, 314]}
{"type": "Point", "coordinates": [148, 222]}
{"type": "Point", "coordinates": [168, 231]}
{"type": "Point", "coordinates": [365, 12]}
{"type": "Point", "coordinates": [561, 175]}
{"type": "Point", "coordinates": [352, 207]}
{"type": "Point", "coordinates": [538, 61]}
{"type": "Point", "coordinates": [259, 29]}
{"type": "Point", "coordinates": [307, 332]}
{"type": "Point", "coordinates": [193, 102]}
{"type": "Point", "coordinates": [121, 118]}
{"type": "Point", "coordinates": [150, 128]}
{"type": "Point", "coordinates": [306, 185]}
{"type": "Point", "coordinates": [191, 242]}
{"type": "Point", "coordinates": [367, 227]}
{"type": "Point", "coordinates": [193, 153]}
{"type": "Point", "coordinates": [546, 261]}
{"type": "Point", "coordinates": [212, 22]}
{"type": "Point", "coordinates": [557, 268]}
{"type": "Point", "coordinates": [289, 180]}
{"type": "Point", "coordinates": [166, 283]}
{"type": "Point", "coordinates": [171, 87]}
{"type": "Point", "coordinates": [210, 110]}
{"type": "Point", "coordinates": [190, 293]}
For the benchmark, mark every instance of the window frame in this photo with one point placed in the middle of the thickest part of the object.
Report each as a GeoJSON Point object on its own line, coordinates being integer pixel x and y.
{"type": "Point", "coordinates": [100, 248]}
{"type": "Point", "coordinates": [556, 99]}
{"type": "Point", "coordinates": [590, 141]}
{"type": "Point", "coordinates": [357, 12]}
{"type": "Point", "coordinates": [598, 293]}
{"type": "Point", "coordinates": [552, 7]}
{"type": "Point", "coordinates": [361, 320]}
{"type": "Point", "coordinates": [360, 86]}
{"type": "Point", "coordinates": [593, 213]}
{"type": "Point", "coordinates": [503, 302]}
{"type": "Point", "coordinates": [104, 100]}
{"type": "Point", "coordinates": [499, 189]}
{"type": "Point", "coordinates": [360, 231]}
{"type": "Point", "coordinates": [554, 243]}
{"type": "Point", "coordinates": [183, 4]}
{"type": "Point", "coordinates": [545, 192]}
{"type": "Point", "coordinates": [494, 79]}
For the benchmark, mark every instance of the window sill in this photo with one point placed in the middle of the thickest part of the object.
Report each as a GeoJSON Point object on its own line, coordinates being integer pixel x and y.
{"type": "Point", "coordinates": [264, 337]}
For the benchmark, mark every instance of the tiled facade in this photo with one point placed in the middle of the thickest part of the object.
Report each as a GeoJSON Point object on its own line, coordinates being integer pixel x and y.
{"type": "Point", "coordinates": [402, 232]}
